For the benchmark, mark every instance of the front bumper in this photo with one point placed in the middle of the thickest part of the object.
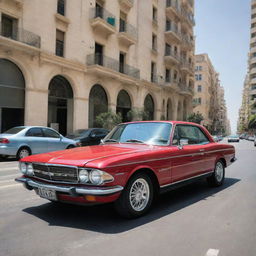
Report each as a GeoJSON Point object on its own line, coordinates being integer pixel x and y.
{"type": "Point", "coordinates": [71, 190]}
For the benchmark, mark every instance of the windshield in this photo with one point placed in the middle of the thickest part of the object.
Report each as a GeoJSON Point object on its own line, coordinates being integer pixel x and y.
{"type": "Point", "coordinates": [14, 130]}
{"type": "Point", "coordinates": [149, 133]}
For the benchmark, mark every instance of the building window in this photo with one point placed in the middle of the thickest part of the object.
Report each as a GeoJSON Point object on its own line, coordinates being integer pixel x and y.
{"type": "Point", "coordinates": [199, 101]}
{"type": "Point", "coordinates": [121, 62]}
{"type": "Point", "coordinates": [167, 50]}
{"type": "Point", "coordinates": [122, 22]}
{"type": "Point", "coordinates": [9, 27]}
{"type": "Point", "coordinates": [198, 77]}
{"type": "Point", "coordinates": [98, 54]}
{"type": "Point", "coordinates": [60, 43]}
{"type": "Point", "coordinates": [153, 72]}
{"type": "Point", "coordinates": [199, 88]}
{"type": "Point", "coordinates": [61, 7]}
{"type": "Point", "coordinates": [175, 75]}
{"type": "Point", "coordinates": [253, 35]}
{"type": "Point", "coordinates": [154, 42]}
{"type": "Point", "coordinates": [167, 76]}
{"type": "Point", "coordinates": [154, 14]}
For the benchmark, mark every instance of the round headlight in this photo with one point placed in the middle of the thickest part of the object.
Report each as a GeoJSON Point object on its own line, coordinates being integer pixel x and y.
{"type": "Point", "coordinates": [96, 177]}
{"type": "Point", "coordinates": [23, 168]}
{"type": "Point", "coordinates": [30, 170]}
{"type": "Point", "coordinates": [83, 176]}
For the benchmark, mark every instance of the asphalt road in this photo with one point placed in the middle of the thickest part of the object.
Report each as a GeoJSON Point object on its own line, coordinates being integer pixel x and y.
{"type": "Point", "coordinates": [192, 221]}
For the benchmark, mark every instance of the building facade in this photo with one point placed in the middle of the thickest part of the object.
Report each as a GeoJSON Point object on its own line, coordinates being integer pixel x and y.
{"type": "Point", "coordinates": [64, 62]}
{"type": "Point", "coordinates": [209, 96]}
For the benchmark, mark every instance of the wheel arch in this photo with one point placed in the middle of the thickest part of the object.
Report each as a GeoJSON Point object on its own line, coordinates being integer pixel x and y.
{"type": "Point", "coordinates": [148, 171]}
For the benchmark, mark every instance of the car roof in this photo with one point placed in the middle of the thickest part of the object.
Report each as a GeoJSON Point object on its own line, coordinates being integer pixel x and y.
{"type": "Point", "coordinates": [161, 121]}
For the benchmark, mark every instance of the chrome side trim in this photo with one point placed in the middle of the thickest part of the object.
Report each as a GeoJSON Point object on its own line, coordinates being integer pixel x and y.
{"type": "Point", "coordinates": [74, 191]}
{"type": "Point", "coordinates": [194, 177]}
{"type": "Point", "coordinates": [166, 158]}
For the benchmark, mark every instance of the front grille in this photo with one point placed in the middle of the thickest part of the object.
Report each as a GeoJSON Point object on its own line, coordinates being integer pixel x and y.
{"type": "Point", "coordinates": [56, 172]}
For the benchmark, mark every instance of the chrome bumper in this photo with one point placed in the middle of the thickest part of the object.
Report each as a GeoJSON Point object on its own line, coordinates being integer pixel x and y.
{"type": "Point", "coordinates": [73, 191]}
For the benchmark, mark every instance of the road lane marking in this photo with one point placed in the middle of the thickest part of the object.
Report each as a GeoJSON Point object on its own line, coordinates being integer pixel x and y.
{"type": "Point", "coordinates": [212, 252]}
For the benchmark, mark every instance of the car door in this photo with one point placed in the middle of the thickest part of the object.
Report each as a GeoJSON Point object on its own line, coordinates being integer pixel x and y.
{"type": "Point", "coordinates": [36, 140]}
{"type": "Point", "coordinates": [54, 140]}
{"type": "Point", "coordinates": [189, 159]}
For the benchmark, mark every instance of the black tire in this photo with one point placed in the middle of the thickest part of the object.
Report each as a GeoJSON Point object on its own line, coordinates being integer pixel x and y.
{"type": "Point", "coordinates": [218, 176]}
{"type": "Point", "coordinates": [125, 207]}
{"type": "Point", "coordinates": [3, 157]}
{"type": "Point", "coordinates": [23, 152]}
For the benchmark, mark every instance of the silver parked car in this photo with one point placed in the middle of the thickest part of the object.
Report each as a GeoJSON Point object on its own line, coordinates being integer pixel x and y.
{"type": "Point", "coordinates": [22, 141]}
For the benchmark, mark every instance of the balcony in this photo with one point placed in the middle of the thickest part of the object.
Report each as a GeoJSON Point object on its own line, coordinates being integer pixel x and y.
{"type": "Point", "coordinates": [171, 58]}
{"type": "Point", "coordinates": [105, 65]}
{"type": "Point", "coordinates": [185, 90]}
{"type": "Point", "coordinates": [253, 92]}
{"type": "Point", "coordinates": [187, 43]}
{"type": "Point", "coordinates": [188, 18]}
{"type": "Point", "coordinates": [172, 8]}
{"type": "Point", "coordinates": [126, 4]}
{"type": "Point", "coordinates": [102, 21]}
{"type": "Point", "coordinates": [21, 35]}
{"type": "Point", "coordinates": [172, 33]}
{"type": "Point", "coordinates": [154, 78]}
{"type": "Point", "coordinates": [187, 67]}
{"type": "Point", "coordinates": [127, 34]}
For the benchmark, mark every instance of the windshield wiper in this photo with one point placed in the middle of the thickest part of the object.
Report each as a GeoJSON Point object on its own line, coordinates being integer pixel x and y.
{"type": "Point", "coordinates": [134, 140]}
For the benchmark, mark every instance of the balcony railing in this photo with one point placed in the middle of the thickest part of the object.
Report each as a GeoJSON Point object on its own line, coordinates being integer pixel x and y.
{"type": "Point", "coordinates": [173, 28]}
{"type": "Point", "coordinates": [188, 16]}
{"type": "Point", "coordinates": [186, 40]}
{"type": "Point", "coordinates": [21, 35]}
{"type": "Point", "coordinates": [170, 53]}
{"type": "Point", "coordinates": [154, 78]}
{"type": "Point", "coordinates": [99, 59]}
{"type": "Point", "coordinates": [129, 29]}
{"type": "Point", "coordinates": [103, 14]}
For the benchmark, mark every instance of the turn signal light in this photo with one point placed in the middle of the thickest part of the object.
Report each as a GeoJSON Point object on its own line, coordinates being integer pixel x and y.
{"type": "Point", "coordinates": [4, 141]}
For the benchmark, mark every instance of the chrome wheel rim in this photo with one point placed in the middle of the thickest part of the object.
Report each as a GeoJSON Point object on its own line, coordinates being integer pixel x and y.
{"type": "Point", "coordinates": [139, 194]}
{"type": "Point", "coordinates": [219, 171]}
{"type": "Point", "coordinates": [23, 153]}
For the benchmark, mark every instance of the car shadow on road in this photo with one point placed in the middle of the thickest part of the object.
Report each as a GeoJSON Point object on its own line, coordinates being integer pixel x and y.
{"type": "Point", "coordinates": [104, 219]}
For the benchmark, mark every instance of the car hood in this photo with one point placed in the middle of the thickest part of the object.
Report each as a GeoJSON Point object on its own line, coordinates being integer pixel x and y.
{"type": "Point", "coordinates": [84, 155]}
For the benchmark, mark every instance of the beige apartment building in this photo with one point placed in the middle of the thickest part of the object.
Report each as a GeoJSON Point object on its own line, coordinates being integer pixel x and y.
{"type": "Point", "coordinates": [64, 62]}
{"type": "Point", "coordinates": [244, 111]}
{"type": "Point", "coordinates": [209, 96]}
{"type": "Point", "coordinates": [248, 107]}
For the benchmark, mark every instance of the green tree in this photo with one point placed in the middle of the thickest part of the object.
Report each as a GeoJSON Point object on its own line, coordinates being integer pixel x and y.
{"type": "Point", "coordinates": [195, 118]}
{"type": "Point", "coordinates": [252, 122]}
{"type": "Point", "coordinates": [108, 120]}
{"type": "Point", "coordinates": [136, 114]}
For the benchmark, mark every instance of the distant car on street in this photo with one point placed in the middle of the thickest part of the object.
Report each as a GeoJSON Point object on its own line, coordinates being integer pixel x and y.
{"type": "Point", "coordinates": [233, 138]}
{"type": "Point", "coordinates": [88, 137]}
{"type": "Point", "coordinates": [251, 138]}
{"type": "Point", "coordinates": [22, 141]}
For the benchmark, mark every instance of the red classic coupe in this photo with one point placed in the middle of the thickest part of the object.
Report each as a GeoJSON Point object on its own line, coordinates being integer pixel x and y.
{"type": "Point", "coordinates": [135, 162]}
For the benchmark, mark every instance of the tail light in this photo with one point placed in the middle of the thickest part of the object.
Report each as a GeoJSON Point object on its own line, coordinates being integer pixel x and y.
{"type": "Point", "coordinates": [4, 141]}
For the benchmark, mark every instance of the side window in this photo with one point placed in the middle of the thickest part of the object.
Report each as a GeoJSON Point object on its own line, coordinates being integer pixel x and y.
{"type": "Point", "coordinates": [191, 133]}
{"type": "Point", "coordinates": [202, 138]}
{"type": "Point", "coordinates": [50, 133]}
{"type": "Point", "coordinates": [34, 132]}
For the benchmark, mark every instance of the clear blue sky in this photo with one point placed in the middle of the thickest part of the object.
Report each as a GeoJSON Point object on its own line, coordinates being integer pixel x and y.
{"type": "Point", "coordinates": [223, 31]}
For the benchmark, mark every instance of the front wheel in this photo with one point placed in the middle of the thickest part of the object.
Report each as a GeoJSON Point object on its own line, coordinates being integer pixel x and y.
{"type": "Point", "coordinates": [137, 196]}
{"type": "Point", "coordinates": [218, 175]}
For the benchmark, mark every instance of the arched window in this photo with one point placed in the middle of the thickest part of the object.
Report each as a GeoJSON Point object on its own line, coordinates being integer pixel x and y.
{"type": "Point", "coordinates": [12, 95]}
{"type": "Point", "coordinates": [149, 107]}
{"type": "Point", "coordinates": [60, 105]}
{"type": "Point", "coordinates": [98, 103]}
{"type": "Point", "coordinates": [123, 105]}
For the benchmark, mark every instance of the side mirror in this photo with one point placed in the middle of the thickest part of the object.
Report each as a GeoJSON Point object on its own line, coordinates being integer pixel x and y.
{"type": "Point", "coordinates": [183, 142]}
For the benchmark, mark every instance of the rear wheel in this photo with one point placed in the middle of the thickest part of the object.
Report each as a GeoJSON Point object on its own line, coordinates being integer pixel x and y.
{"type": "Point", "coordinates": [218, 175]}
{"type": "Point", "coordinates": [137, 196]}
{"type": "Point", "coordinates": [23, 152]}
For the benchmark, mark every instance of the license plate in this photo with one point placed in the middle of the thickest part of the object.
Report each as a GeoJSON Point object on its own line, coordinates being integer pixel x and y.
{"type": "Point", "coordinates": [47, 193]}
